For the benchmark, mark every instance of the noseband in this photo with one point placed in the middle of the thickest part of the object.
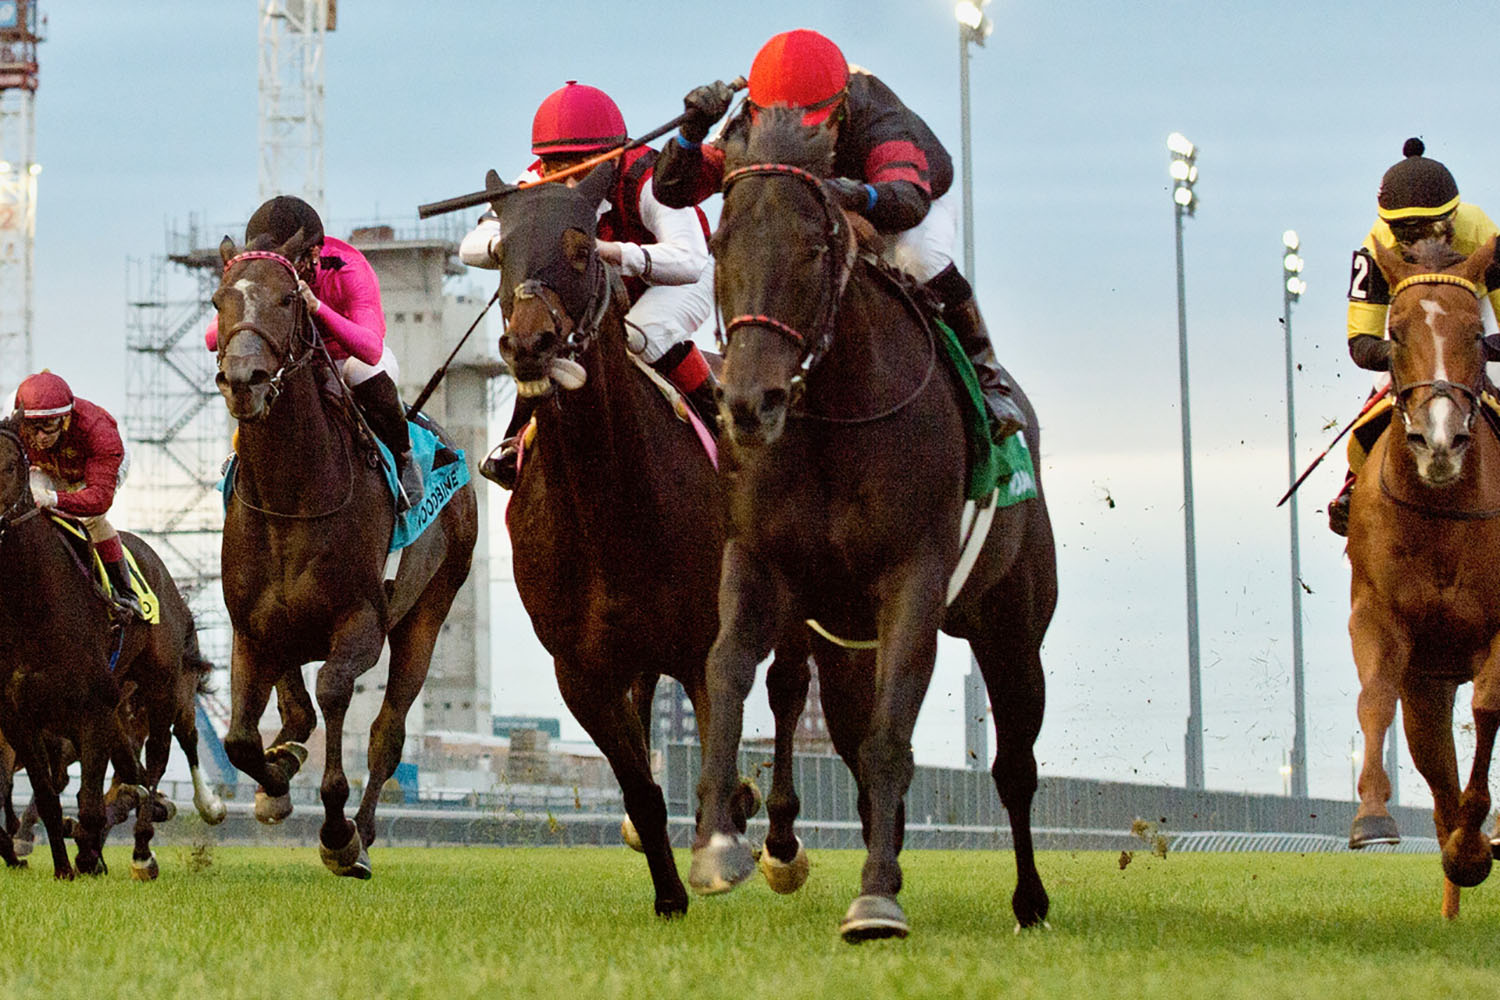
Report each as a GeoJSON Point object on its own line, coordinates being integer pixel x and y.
{"type": "Point", "coordinates": [1440, 387]}
{"type": "Point", "coordinates": [836, 277]}
{"type": "Point", "coordinates": [584, 332]}
{"type": "Point", "coordinates": [304, 332]}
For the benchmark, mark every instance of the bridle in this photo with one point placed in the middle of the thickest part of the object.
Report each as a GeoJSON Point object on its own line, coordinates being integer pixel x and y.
{"type": "Point", "coordinates": [1440, 387]}
{"type": "Point", "coordinates": [23, 508]}
{"type": "Point", "coordinates": [836, 230]}
{"type": "Point", "coordinates": [304, 332]}
{"type": "Point", "coordinates": [585, 331]}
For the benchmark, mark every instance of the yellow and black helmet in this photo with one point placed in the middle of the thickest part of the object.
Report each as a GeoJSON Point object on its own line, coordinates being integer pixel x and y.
{"type": "Point", "coordinates": [1417, 188]}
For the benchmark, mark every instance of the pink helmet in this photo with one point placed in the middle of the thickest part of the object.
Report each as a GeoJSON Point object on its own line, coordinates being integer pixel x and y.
{"type": "Point", "coordinates": [577, 119]}
{"type": "Point", "coordinates": [44, 395]}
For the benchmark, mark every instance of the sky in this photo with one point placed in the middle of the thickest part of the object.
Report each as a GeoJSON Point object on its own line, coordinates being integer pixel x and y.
{"type": "Point", "coordinates": [146, 116]}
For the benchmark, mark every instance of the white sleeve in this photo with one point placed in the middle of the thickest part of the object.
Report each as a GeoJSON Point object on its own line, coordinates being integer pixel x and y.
{"type": "Point", "coordinates": [680, 253]}
{"type": "Point", "coordinates": [480, 248]}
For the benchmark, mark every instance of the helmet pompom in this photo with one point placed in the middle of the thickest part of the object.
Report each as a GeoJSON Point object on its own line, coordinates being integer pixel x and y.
{"type": "Point", "coordinates": [1413, 147]}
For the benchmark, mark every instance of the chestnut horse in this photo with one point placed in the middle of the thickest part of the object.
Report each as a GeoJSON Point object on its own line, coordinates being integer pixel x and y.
{"type": "Point", "coordinates": [846, 492]}
{"type": "Point", "coordinates": [617, 521]}
{"type": "Point", "coordinates": [1424, 530]}
{"type": "Point", "coordinates": [305, 544]}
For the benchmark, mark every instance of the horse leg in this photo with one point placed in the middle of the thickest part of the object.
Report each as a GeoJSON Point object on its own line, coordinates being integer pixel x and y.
{"type": "Point", "coordinates": [721, 855]}
{"type": "Point", "coordinates": [612, 723]}
{"type": "Point", "coordinates": [1467, 854]}
{"type": "Point", "coordinates": [847, 689]}
{"type": "Point", "coordinates": [356, 647]}
{"type": "Point", "coordinates": [1377, 658]}
{"type": "Point", "coordinates": [1429, 736]}
{"type": "Point", "coordinates": [642, 697]}
{"type": "Point", "coordinates": [11, 824]}
{"type": "Point", "coordinates": [143, 864]}
{"type": "Point", "coordinates": [911, 607]}
{"type": "Point", "coordinates": [1012, 670]}
{"type": "Point", "coordinates": [45, 803]}
{"type": "Point", "coordinates": [784, 861]}
{"type": "Point", "coordinates": [210, 807]}
{"type": "Point", "coordinates": [96, 740]}
{"type": "Point", "coordinates": [250, 682]}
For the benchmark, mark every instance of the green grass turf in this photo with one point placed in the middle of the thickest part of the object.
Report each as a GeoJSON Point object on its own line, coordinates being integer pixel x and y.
{"type": "Point", "coordinates": [558, 922]}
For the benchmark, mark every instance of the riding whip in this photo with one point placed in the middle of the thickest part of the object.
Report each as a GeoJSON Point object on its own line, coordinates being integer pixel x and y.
{"type": "Point", "coordinates": [490, 193]}
{"type": "Point", "coordinates": [1324, 454]}
{"type": "Point", "coordinates": [437, 376]}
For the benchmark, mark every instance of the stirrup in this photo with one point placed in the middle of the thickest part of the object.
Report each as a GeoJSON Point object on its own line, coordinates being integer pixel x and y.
{"type": "Point", "coordinates": [500, 465]}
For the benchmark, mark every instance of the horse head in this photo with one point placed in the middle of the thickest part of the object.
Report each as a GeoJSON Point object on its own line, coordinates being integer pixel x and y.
{"type": "Point", "coordinates": [1437, 350]}
{"type": "Point", "coordinates": [554, 287]}
{"type": "Point", "coordinates": [15, 479]}
{"type": "Point", "coordinates": [260, 316]}
{"type": "Point", "coordinates": [783, 253]}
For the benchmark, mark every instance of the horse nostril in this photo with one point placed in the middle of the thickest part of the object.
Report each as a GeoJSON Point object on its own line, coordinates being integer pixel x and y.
{"type": "Point", "coordinates": [506, 344]}
{"type": "Point", "coordinates": [546, 340]}
{"type": "Point", "coordinates": [773, 400]}
{"type": "Point", "coordinates": [259, 377]}
{"type": "Point", "coordinates": [221, 380]}
{"type": "Point", "coordinates": [1460, 439]}
{"type": "Point", "coordinates": [1416, 440]}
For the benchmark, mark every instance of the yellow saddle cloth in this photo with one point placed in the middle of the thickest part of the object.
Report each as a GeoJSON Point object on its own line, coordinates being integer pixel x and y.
{"type": "Point", "coordinates": [79, 539]}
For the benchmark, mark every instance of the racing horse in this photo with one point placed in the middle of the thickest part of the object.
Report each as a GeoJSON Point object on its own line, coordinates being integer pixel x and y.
{"type": "Point", "coordinates": [64, 665]}
{"type": "Point", "coordinates": [617, 520]}
{"type": "Point", "coordinates": [847, 488]}
{"type": "Point", "coordinates": [306, 534]}
{"type": "Point", "coordinates": [1425, 586]}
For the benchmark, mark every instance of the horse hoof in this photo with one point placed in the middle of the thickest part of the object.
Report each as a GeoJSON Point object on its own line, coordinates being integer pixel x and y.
{"type": "Point", "coordinates": [1368, 830]}
{"type": "Point", "coordinates": [873, 917]}
{"type": "Point", "coordinates": [163, 809]}
{"type": "Point", "coordinates": [1465, 866]}
{"type": "Point", "coordinates": [1494, 848]}
{"type": "Point", "coordinates": [272, 809]}
{"type": "Point", "coordinates": [211, 808]}
{"type": "Point", "coordinates": [16, 864]}
{"type": "Point", "coordinates": [144, 871]}
{"type": "Point", "coordinates": [631, 837]}
{"type": "Point", "coordinates": [24, 846]}
{"type": "Point", "coordinates": [91, 866]}
{"type": "Point", "coordinates": [785, 877]}
{"type": "Point", "coordinates": [351, 860]}
{"type": "Point", "coordinates": [69, 828]}
{"type": "Point", "coordinates": [119, 802]}
{"type": "Point", "coordinates": [749, 794]}
{"type": "Point", "coordinates": [720, 866]}
{"type": "Point", "coordinates": [289, 755]}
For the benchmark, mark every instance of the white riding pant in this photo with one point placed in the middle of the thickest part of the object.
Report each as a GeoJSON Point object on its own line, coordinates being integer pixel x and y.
{"type": "Point", "coordinates": [924, 250]}
{"type": "Point", "coordinates": [99, 528]}
{"type": "Point", "coordinates": [354, 371]}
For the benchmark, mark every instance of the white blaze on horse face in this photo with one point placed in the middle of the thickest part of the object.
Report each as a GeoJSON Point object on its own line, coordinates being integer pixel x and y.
{"type": "Point", "coordinates": [1443, 417]}
{"type": "Point", "coordinates": [244, 286]}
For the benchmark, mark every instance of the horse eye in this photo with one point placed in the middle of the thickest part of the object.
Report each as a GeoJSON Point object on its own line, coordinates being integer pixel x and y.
{"type": "Point", "coordinates": [288, 298]}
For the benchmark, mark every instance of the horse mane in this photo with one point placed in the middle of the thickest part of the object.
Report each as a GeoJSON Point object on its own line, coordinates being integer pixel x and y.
{"type": "Point", "coordinates": [1434, 254]}
{"type": "Point", "coordinates": [777, 135]}
{"type": "Point", "coordinates": [12, 423]}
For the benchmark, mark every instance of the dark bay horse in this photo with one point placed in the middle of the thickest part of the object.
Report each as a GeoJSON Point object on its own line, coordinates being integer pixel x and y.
{"type": "Point", "coordinates": [617, 520]}
{"type": "Point", "coordinates": [847, 489]}
{"type": "Point", "coordinates": [1424, 531]}
{"type": "Point", "coordinates": [304, 553]}
{"type": "Point", "coordinates": [63, 669]}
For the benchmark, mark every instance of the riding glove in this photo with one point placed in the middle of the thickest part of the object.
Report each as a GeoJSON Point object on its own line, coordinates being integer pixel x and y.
{"type": "Point", "coordinates": [43, 497]}
{"type": "Point", "coordinates": [305, 290]}
{"type": "Point", "coordinates": [705, 105]}
{"type": "Point", "coordinates": [854, 195]}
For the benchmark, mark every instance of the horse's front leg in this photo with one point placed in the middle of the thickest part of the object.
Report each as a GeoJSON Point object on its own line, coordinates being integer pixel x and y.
{"type": "Point", "coordinates": [252, 673]}
{"type": "Point", "coordinates": [750, 603]}
{"type": "Point", "coordinates": [356, 646]}
{"type": "Point", "coordinates": [784, 860]}
{"type": "Point", "coordinates": [1428, 720]}
{"type": "Point", "coordinates": [1467, 855]}
{"type": "Point", "coordinates": [911, 606]}
{"type": "Point", "coordinates": [1378, 655]}
{"type": "Point", "coordinates": [96, 739]}
{"type": "Point", "coordinates": [143, 864]}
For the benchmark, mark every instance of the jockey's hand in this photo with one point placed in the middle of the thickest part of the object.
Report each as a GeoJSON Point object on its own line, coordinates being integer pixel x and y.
{"type": "Point", "coordinates": [305, 290]}
{"type": "Point", "coordinates": [705, 105]}
{"type": "Point", "coordinates": [608, 252]}
{"type": "Point", "coordinates": [849, 193]}
{"type": "Point", "coordinates": [42, 496]}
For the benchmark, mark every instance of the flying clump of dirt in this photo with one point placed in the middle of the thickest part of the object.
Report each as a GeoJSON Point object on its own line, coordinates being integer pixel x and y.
{"type": "Point", "coordinates": [1150, 832]}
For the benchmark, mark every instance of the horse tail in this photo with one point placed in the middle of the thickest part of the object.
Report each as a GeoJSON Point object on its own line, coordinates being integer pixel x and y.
{"type": "Point", "coordinates": [193, 660]}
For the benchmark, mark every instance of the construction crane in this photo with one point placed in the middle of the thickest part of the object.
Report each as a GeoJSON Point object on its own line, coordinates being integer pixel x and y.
{"type": "Point", "coordinates": [20, 31]}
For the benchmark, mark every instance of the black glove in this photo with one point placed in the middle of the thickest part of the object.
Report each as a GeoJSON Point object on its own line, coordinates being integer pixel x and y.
{"type": "Point", "coordinates": [705, 105]}
{"type": "Point", "coordinates": [849, 193]}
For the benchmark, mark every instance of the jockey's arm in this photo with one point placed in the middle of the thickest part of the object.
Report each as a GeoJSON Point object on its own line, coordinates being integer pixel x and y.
{"type": "Point", "coordinates": [686, 173]}
{"type": "Point", "coordinates": [101, 473]}
{"type": "Point", "coordinates": [351, 312]}
{"type": "Point", "coordinates": [679, 254]}
{"type": "Point", "coordinates": [1369, 300]}
{"type": "Point", "coordinates": [481, 245]}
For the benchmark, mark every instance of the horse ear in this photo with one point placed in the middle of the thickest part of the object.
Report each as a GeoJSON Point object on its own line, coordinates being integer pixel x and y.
{"type": "Point", "coordinates": [1480, 266]}
{"type": "Point", "coordinates": [1391, 263]}
{"type": "Point", "coordinates": [227, 250]}
{"type": "Point", "coordinates": [293, 246]}
{"type": "Point", "coordinates": [493, 183]}
{"type": "Point", "coordinates": [578, 247]}
{"type": "Point", "coordinates": [596, 185]}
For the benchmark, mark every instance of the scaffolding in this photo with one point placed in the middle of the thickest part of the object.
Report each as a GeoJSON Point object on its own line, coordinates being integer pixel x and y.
{"type": "Point", "coordinates": [20, 31]}
{"type": "Point", "coordinates": [291, 97]}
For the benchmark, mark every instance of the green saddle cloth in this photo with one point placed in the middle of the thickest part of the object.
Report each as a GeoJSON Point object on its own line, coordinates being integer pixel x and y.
{"type": "Point", "coordinates": [1007, 466]}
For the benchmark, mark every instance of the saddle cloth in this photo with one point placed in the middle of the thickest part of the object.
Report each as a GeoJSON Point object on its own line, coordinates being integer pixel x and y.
{"type": "Point", "coordinates": [90, 563]}
{"type": "Point", "coordinates": [1006, 467]}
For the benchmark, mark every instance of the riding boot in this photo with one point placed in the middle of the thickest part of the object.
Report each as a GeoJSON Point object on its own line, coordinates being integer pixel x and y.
{"type": "Point", "coordinates": [1006, 416]}
{"type": "Point", "coordinates": [685, 367]}
{"type": "Point", "coordinates": [119, 579]}
{"type": "Point", "coordinates": [1338, 507]}
{"type": "Point", "coordinates": [379, 402]}
{"type": "Point", "coordinates": [502, 465]}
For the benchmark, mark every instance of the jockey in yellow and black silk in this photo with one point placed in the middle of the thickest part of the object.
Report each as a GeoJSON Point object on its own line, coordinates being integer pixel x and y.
{"type": "Point", "coordinates": [889, 168]}
{"type": "Point", "coordinates": [1418, 201]}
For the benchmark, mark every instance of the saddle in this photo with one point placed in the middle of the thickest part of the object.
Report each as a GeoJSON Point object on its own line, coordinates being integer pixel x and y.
{"type": "Point", "coordinates": [87, 560]}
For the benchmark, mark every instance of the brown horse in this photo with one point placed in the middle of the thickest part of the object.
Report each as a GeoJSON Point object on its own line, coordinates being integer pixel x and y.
{"type": "Point", "coordinates": [617, 521]}
{"type": "Point", "coordinates": [1424, 527]}
{"type": "Point", "coordinates": [305, 544]}
{"type": "Point", "coordinates": [847, 490]}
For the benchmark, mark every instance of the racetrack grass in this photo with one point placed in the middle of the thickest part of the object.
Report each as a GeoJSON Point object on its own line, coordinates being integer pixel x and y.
{"type": "Point", "coordinates": [577, 922]}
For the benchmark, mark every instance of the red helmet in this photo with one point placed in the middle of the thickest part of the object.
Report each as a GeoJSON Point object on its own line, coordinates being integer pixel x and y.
{"type": "Point", "coordinates": [43, 396]}
{"type": "Point", "coordinates": [577, 119]}
{"type": "Point", "coordinates": [800, 69]}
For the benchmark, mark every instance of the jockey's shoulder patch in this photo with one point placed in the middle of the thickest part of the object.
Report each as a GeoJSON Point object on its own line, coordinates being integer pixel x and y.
{"type": "Point", "coordinates": [1366, 282]}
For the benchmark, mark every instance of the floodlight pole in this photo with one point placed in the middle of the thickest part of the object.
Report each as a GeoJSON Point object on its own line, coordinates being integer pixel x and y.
{"type": "Point", "coordinates": [1299, 705]}
{"type": "Point", "coordinates": [1193, 742]}
{"type": "Point", "coordinates": [966, 166]}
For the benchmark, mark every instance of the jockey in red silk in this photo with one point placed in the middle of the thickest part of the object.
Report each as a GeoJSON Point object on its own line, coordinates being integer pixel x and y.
{"type": "Point", "coordinates": [661, 252]}
{"type": "Point", "coordinates": [889, 168]}
{"type": "Point", "coordinates": [78, 461]}
{"type": "Point", "coordinates": [1418, 200]}
{"type": "Point", "coordinates": [342, 294]}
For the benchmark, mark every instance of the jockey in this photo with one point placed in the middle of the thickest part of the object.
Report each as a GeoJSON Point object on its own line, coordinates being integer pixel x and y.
{"type": "Point", "coordinates": [78, 461]}
{"type": "Point", "coordinates": [1418, 200]}
{"type": "Point", "coordinates": [343, 296]}
{"type": "Point", "coordinates": [890, 169]}
{"type": "Point", "coordinates": [661, 252]}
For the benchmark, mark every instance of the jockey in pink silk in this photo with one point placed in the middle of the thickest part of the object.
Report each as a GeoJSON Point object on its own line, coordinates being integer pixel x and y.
{"type": "Point", "coordinates": [343, 296]}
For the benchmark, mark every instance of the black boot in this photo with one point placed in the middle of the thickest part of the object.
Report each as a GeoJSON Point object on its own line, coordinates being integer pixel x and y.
{"type": "Point", "coordinates": [685, 367]}
{"type": "Point", "coordinates": [381, 405]}
{"type": "Point", "coordinates": [1338, 508]}
{"type": "Point", "coordinates": [1006, 416]}
{"type": "Point", "coordinates": [500, 465]}
{"type": "Point", "coordinates": [119, 579]}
